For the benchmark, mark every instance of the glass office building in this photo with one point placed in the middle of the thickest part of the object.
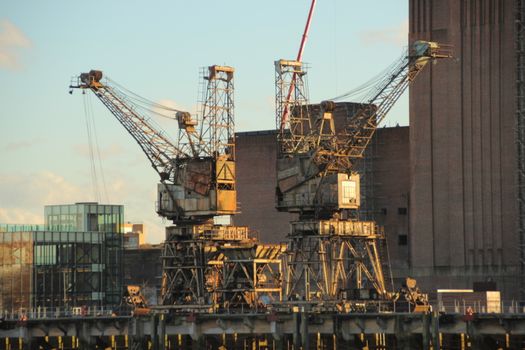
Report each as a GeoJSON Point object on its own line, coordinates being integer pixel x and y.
{"type": "Point", "coordinates": [74, 260]}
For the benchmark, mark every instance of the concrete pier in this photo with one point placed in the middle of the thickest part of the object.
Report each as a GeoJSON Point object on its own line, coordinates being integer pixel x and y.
{"type": "Point", "coordinates": [297, 330]}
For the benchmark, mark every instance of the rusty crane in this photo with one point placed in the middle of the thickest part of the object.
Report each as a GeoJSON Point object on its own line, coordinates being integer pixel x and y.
{"type": "Point", "coordinates": [205, 266]}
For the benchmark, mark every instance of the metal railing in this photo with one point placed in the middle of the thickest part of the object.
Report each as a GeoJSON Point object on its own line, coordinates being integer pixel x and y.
{"type": "Point", "coordinates": [463, 306]}
{"type": "Point", "coordinates": [456, 306]}
{"type": "Point", "coordinates": [40, 313]}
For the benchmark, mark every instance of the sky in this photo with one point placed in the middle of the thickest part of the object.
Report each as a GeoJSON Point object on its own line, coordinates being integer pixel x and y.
{"type": "Point", "coordinates": [156, 49]}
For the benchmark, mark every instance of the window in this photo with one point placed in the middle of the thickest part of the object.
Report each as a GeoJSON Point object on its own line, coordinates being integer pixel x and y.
{"type": "Point", "coordinates": [402, 211]}
{"type": "Point", "coordinates": [45, 255]}
{"type": "Point", "coordinates": [402, 240]}
{"type": "Point", "coordinates": [349, 192]}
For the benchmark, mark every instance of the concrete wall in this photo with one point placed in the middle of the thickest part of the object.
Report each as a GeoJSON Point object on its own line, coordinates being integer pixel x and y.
{"type": "Point", "coordinates": [462, 146]}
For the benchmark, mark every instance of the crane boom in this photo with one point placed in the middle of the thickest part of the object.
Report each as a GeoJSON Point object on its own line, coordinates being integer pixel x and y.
{"type": "Point", "coordinates": [312, 148]}
{"type": "Point", "coordinates": [197, 174]}
{"type": "Point", "coordinates": [358, 132]}
{"type": "Point", "coordinates": [159, 149]}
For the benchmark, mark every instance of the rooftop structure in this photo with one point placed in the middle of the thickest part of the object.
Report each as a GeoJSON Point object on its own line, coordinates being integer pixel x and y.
{"type": "Point", "coordinates": [134, 235]}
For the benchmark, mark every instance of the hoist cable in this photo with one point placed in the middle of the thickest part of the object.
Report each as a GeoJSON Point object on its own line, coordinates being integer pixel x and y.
{"type": "Point", "coordinates": [97, 148]}
{"type": "Point", "coordinates": [367, 90]}
{"type": "Point", "coordinates": [94, 180]}
{"type": "Point", "coordinates": [136, 96]}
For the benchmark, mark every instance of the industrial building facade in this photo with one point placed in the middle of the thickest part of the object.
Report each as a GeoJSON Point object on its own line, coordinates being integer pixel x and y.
{"type": "Point", "coordinates": [75, 259]}
{"type": "Point", "coordinates": [463, 159]}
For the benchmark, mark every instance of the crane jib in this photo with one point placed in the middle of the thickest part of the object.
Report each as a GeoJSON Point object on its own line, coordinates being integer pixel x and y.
{"type": "Point", "coordinates": [197, 172]}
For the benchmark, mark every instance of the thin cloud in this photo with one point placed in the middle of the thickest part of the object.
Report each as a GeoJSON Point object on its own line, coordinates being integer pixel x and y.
{"type": "Point", "coordinates": [112, 150]}
{"type": "Point", "coordinates": [29, 193]}
{"type": "Point", "coordinates": [23, 197]}
{"type": "Point", "coordinates": [21, 216]}
{"type": "Point", "coordinates": [21, 145]}
{"type": "Point", "coordinates": [168, 123]}
{"type": "Point", "coordinates": [12, 40]}
{"type": "Point", "coordinates": [397, 35]}
{"type": "Point", "coordinates": [168, 103]}
{"type": "Point", "coordinates": [16, 146]}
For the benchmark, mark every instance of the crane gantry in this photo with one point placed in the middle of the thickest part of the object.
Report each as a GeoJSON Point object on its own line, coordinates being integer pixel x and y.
{"type": "Point", "coordinates": [331, 255]}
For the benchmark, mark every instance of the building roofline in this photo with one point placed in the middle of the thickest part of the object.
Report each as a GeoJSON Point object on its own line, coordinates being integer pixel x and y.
{"type": "Point", "coordinates": [273, 131]}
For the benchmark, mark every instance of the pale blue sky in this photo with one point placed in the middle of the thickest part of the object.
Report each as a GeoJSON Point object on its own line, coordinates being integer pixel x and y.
{"type": "Point", "coordinates": [155, 48]}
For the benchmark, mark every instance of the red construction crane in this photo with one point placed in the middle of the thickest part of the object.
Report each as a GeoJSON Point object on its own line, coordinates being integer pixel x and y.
{"type": "Point", "coordinates": [299, 59]}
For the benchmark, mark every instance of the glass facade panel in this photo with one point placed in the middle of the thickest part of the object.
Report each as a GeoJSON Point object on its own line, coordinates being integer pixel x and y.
{"type": "Point", "coordinates": [75, 256]}
{"type": "Point", "coordinates": [15, 270]}
{"type": "Point", "coordinates": [20, 228]}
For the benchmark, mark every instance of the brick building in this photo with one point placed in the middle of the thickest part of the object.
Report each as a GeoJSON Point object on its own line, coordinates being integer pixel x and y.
{"type": "Point", "coordinates": [463, 212]}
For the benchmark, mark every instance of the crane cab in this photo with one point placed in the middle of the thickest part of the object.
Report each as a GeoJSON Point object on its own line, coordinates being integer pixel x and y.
{"type": "Point", "coordinates": [202, 188]}
{"type": "Point", "coordinates": [298, 192]}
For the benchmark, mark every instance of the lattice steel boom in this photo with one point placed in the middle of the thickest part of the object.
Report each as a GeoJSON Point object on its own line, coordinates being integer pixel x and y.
{"type": "Point", "coordinates": [159, 149]}
{"type": "Point", "coordinates": [197, 172]}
